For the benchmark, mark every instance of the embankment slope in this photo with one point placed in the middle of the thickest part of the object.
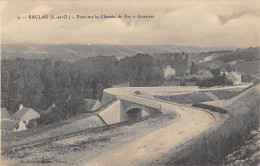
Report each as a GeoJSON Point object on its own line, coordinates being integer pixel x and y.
{"type": "Point", "coordinates": [213, 145]}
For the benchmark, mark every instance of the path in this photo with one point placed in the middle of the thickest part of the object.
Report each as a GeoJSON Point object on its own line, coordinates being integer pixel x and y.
{"type": "Point", "coordinates": [149, 147]}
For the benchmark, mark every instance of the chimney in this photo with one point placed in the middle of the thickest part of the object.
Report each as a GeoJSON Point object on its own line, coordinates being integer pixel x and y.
{"type": "Point", "coordinates": [20, 107]}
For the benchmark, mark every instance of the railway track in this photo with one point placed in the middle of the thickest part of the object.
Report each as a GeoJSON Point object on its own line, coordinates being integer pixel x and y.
{"type": "Point", "coordinates": [43, 142]}
{"type": "Point", "coordinates": [13, 149]}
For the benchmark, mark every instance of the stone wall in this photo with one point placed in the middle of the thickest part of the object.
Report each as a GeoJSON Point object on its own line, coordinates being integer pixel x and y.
{"type": "Point", "coordinates": [115, 113]}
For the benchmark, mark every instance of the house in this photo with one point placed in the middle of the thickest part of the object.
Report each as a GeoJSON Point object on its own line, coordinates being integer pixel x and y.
{"type": "Point", "coordinates": [25, 114]}
{"type": "Point", "coordinates": [205, 75]}
{"type": "Point", "coordinates": [223, 71]}
{"type": "Point", "coordinates": [188, 77]}
{"type": "Point", "coordinates": [8, 126]}
{"type": "Point", "coordinates": [234, 77]}
{"type": "Point", "coordinates": [91, 105]}
{"type": "Point", "coordinates": [187, 72]}
{"type": "Point", "coordinates": [200, 72]}
{"type": "Point", "coordinates": [21, 126]}
{"type": "Point", "coordinates": [5, 114]}
{"type": "Point", "coordinates": [168, 72]}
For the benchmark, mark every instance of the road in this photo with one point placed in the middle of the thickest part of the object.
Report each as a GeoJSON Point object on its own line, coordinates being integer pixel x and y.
{"type": "Point", "coordinates": [151, 146]}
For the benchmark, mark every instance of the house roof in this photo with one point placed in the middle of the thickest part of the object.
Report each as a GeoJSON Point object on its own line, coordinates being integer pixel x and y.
{"type": "Point", "coordinates": [207, 73]}
{"type": "Point", "coordinates": [235, 74]}
{"type": "Point", "coordinates": [200, 71]}
{"type": "Point", "coordinates": [9, 124]}
{"type": "Point", "coordinates": [167, 67]}
{"type": "Point", "coordinates": [20, 113]}
{"type": "Point", "coordinates": [223, 70]}
{"type": "Point", "coordinates": [5, 113]}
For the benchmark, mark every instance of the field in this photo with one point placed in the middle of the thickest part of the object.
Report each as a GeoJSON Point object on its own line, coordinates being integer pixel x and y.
{"type": "Point", "coordinates": [73, 52]}
{"type": "Point", "coordinates": [243, 67]}
{"type": "Point", "coordinates": [224, 95]}
{"type": "Point", "coordinates": [186, 98]}
{"type": "Point", "coordinates": [248, 67]}
{"type": "Point", "coordinates": [199, 97]}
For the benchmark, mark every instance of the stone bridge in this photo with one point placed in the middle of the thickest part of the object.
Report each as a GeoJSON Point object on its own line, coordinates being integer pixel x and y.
{"type": "Point", "coordinates": [126, 107]}
{"type": "Point", "coordinates": [122, 104]}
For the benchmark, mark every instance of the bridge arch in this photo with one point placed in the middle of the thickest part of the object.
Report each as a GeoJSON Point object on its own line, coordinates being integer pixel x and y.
{"type": "Point", "coordinates": [137, 106]}
{"type": "Point", "coordinates": [136, 111]}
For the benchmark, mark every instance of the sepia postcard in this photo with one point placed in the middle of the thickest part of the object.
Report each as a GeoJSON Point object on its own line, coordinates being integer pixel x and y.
{"type": "Point", "coordinates": [130, 83]}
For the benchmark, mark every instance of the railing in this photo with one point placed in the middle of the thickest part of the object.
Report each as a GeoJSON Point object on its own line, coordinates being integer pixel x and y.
{"type": "Point", "coordinates": [141, 101]}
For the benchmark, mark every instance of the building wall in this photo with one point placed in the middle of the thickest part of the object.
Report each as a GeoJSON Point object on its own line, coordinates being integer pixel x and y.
{"type": "Point", "coordinates": [235, 78]}
{"type": "Point", "coordinates": [239, 80]}
{"type": "Point", "coordinates": [169, 72]}
{"type": "Point", "coordinates": [22, 126]}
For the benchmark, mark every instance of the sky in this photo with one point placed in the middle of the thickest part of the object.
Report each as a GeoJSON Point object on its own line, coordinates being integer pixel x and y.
{"type": "Point", "coordinates": [214, 23]}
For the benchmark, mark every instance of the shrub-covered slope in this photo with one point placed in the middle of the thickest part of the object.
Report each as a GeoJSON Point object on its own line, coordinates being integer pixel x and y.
{"type": "Point", "coordinates": [247, 154]}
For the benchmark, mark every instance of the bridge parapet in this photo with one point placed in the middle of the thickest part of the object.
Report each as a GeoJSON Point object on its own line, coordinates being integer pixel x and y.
{"type": "Point", "coordinates": [140, 101]}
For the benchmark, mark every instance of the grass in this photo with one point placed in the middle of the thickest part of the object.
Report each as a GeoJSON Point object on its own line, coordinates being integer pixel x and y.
{"type": "Point", "coordinates": [248, 67]}
{"type": "Point", "coordinates": [186, 98]}
{"type": "Point", "coordinates": [199, 97]}
{"type": "Point", "coordinates": [224, 95]}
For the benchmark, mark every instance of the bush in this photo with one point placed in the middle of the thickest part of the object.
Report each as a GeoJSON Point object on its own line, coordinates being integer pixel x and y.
{"type": "Point", "coordinates": [54, 116]}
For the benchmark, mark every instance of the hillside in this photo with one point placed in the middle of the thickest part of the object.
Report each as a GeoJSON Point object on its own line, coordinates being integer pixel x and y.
{"type": "Point", "coordinates": [217, 143]}
{"type": "Point", "coordinates": [199, 97]}
{"type": "Point", "coordinates": [243, 60]}
{"type": "Point", "coordinates": [77, 51]}
{"type": "Point", "coordinates": [233, 104]}
{"type": "Point", "coordinates": [246, 54]}
{"type": "Point", "coordinates": [229, 56]}
{"type": "Point", "coordinates": [247, 154]}
{"type": "Point", "coordinates": [248, 67]}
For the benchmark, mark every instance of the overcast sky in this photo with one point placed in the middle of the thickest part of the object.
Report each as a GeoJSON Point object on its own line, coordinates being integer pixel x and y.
{"type": "Point", "coordinates": [188, 23]}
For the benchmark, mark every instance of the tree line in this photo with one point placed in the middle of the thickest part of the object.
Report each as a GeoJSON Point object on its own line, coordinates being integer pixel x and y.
{"type": "Point", "coordinates": [248, 54]}
{"type": "Point", "coordinates": [38, 83]}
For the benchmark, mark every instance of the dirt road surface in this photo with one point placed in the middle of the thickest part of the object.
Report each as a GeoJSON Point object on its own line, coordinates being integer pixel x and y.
{"type": "Point", "coordinates": [150, 147]}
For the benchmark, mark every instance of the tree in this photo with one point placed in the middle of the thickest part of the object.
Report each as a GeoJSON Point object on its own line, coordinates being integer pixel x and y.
{"type": "Point", "coordinates": [50, 87]}
{"type": "Point", "coordinates": [193, 68]}
{"type": "Point", "coordinates": [5, 86]}
{"type": "Point", "coordinates": [228, 68]}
